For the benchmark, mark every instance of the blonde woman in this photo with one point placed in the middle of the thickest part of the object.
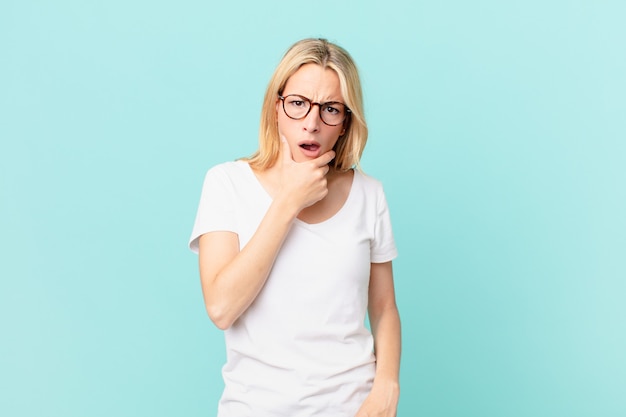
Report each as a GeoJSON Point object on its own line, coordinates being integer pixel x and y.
{"type": "Point", "coordinates": [295, 248]}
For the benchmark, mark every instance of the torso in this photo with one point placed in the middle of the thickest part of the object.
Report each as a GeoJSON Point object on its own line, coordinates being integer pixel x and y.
{"type": "Point", "coordinates": [318, 356]}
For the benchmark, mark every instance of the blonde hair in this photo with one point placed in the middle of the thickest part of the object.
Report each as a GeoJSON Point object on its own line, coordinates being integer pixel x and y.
{"type": "Point", "coordinates": [350, 145]}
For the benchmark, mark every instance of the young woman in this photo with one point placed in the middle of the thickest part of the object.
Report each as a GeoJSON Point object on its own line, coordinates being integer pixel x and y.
{"type": "Point", "coordinates": [295, 247]}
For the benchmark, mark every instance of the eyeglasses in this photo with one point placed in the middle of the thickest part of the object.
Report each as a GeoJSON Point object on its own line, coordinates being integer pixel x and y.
{"type": "Point", "coordinates": [298, 107]}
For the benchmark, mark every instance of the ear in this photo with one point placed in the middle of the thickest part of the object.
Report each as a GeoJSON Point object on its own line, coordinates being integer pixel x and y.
{"type": "Point", "coordinates": [346, 125]}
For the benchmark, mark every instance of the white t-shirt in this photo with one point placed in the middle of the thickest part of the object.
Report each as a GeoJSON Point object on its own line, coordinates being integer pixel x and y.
{"type": "Point", "coordinates": [302, 347]}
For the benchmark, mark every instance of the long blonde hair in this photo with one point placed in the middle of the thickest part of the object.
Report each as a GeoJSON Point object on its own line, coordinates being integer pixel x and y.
{"type": "Point", "coordinates": [350, 145]}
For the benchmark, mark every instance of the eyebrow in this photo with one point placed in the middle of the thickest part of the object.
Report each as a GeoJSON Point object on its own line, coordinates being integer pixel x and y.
{"type": "Point", "coordinates": [321, 102]}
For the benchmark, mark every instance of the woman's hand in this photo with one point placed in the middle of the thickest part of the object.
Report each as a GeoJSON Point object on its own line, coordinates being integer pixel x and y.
{"type": "Point", "coordinates": [382, 401]}
{"type": "Point", "coordinates": [303, 183]}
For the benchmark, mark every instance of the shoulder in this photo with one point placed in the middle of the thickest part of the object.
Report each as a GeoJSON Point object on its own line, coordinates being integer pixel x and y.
{"type": "Point", "coordinates": [228, 171]}
{"type": "Point", "coordinates": [226, 176]}
{"type": "Point", "coordinates": [368, 183]}
{"type": "Point", "coordinates": [229, 168]}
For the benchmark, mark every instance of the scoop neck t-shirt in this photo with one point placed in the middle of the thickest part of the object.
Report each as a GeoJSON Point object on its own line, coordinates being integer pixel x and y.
{"type": "Point", "coordinates": [302, 347]}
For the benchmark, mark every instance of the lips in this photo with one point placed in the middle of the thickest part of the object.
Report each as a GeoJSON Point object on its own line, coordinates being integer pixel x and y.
{"type": "Point", "coordinates": [310, 146]}
{"type": "Point", "coordinates": [310, 149]}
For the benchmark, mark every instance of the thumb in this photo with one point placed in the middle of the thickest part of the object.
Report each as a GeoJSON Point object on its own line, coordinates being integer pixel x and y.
{"type": "Point", "coordinates": [285, 150]}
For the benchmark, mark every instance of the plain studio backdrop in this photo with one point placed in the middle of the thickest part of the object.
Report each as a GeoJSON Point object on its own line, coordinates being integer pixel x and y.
{"type": "Point", "coordinates": [498, 129]}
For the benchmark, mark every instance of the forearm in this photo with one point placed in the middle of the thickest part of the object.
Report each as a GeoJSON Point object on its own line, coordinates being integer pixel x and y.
{"type": "Point", "coordinates": [387, 346]}
{"type": "Point", "coordinates": [230, 291]}
{"type": "Point", "coordinates": [383, 398]}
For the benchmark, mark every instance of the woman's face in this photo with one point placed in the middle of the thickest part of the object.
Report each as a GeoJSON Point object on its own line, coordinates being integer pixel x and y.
{"type": "Point", "coordinates": [310, 137]}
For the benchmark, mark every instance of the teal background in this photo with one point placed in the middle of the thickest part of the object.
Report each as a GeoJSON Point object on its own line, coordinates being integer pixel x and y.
{"type": "Point", "coordinates": [498, 129]}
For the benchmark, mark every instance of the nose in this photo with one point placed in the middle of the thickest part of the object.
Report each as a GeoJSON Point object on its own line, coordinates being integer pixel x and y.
{"type": "Point", "coordinates": [312, 120]}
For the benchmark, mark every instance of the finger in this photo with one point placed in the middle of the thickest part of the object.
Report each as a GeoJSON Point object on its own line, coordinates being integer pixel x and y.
{"type": "Point", "coordinates": [325, 158]}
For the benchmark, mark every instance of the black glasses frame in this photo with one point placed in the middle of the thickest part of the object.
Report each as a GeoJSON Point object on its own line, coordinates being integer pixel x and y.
{"type": "Point", "coordinates": [311, 104]}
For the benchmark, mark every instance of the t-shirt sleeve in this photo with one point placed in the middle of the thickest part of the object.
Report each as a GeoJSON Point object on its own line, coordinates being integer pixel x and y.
{"type": "Point", "coordinates": [383, 247]}
{"type": "Point", "coordinates": [216, 211]}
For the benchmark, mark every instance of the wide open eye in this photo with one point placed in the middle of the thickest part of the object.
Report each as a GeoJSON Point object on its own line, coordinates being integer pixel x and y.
{"type": "Point", "coordinates": [332, 109]}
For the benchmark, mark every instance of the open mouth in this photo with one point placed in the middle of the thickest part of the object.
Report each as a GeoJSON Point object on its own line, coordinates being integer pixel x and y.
{"type": "Point", "coordinates": [311, 147]}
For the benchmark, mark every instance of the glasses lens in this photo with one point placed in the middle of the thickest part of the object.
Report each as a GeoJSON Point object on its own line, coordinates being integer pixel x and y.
{"type": "Point", "coordinates": [333, 113]}
{"type": "Point", "coordinates": [296, 107]}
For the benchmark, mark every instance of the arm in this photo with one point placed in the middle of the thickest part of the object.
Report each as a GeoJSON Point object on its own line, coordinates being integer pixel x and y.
{"type": "Point", "coordinates": [231, 279]}
{"type": "Point", "coordinates": [385, 324]}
